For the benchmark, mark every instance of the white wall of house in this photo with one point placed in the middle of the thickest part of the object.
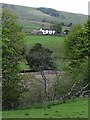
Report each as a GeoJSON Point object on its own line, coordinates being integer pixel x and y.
{"type": "Point", "coordinates": [45, 32]}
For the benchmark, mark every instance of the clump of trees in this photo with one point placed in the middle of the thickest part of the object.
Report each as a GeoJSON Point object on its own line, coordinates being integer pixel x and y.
{"type": "Point", "coordinates": [67, 24]}
{"type": "Point", "coordinates": [51, 12]}
{"type": "Point", "coordinates": [57, 27]}
{"type": "Point", "coordinates": [40, 59]}
{"type": "Point", "coordinates": [12, 47]}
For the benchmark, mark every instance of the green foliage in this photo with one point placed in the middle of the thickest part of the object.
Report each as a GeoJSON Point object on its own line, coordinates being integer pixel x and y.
{"type": "Point", "coordinates": [51, 12]}
{"type": "Point", "coordinates": [57, 27]}
{"type": "Point", "coordinates": [12, 46]}
{"type": "Point", "coordinates": [39, 58]}
{"type": "Point", "coordinates": [78, 50]}
{"type": "Point", "coordinates": [78, 44]}
{"type": "Point", "coordinates": [63, 86]}
{"type": "Point", "coordinates": [12, 41]}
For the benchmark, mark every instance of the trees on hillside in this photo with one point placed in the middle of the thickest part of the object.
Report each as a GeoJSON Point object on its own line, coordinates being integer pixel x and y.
{"type": "Point", "coordinates": [12, 47]}
{"type": "Point", "coordinates": [49, 11]}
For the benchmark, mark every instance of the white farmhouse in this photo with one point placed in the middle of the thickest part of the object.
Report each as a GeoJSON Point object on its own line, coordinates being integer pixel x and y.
{"type": "Point", "coordinates": [47, 31]}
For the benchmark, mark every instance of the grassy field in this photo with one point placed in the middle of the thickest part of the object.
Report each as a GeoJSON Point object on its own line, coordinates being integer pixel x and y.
{"type": "Point", "coordinates": [70, 109]}
{"type": "Point", "coordinates": [55, 43]}
{"type": "Point", "coordinates": [29, 26]}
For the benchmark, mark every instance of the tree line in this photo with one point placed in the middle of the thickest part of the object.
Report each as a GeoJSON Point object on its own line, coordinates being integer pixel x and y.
{"type": "Point", "coordinates": [51, 12]}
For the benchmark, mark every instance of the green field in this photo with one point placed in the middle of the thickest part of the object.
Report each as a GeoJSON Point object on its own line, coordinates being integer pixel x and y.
{"type": "Point", "coordinates": [70, 109]}
{"type": "Point", "coordinates": [55, 43]}
{"type": "Point", "coordinates": [29, 26]}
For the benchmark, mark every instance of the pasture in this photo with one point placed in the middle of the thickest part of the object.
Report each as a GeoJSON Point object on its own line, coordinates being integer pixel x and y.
{"type": "Point", "coordinates": [29, 26]}
{"type": "Point", "coordinates": [55, 43]}
{"type": "Point", "coordinates": [70, 109]}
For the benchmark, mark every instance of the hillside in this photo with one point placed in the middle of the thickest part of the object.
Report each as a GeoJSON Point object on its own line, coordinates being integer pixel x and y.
{"type": "Point", "coordinates": [34, 18]}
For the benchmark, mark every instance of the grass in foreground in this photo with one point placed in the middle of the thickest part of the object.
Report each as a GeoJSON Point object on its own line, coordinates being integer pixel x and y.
{"type": "Point", "coordinates": [70, 109]}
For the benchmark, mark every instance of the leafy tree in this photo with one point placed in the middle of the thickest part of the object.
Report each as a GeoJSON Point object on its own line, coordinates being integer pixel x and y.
{"type": "Point", "coordinates": [78, 53]}
{"type": "Point", "coordinates": [12, 47]}
{"type": "Point", "coordinates": [40, 59]}
{"type": "Point", "coordinates": [57, 27]}
{"type": "Point", "coordinates": [87, 47]}
{"type": "Point", "coordinates": [76, 45]}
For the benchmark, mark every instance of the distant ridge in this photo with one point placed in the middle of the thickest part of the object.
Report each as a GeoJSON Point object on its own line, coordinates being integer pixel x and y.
{"type": "Point", "coordinates": [51, 15]}
{"type": "Point", "coordinates": [36, 18]}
